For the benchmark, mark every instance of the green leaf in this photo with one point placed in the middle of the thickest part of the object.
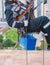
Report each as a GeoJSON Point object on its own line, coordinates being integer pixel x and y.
{"type": "Point", "coordinates": [12, 34]}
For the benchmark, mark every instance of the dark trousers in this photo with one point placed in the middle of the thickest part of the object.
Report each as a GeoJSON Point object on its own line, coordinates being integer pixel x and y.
{"type": "Point", "coordinates": [47, 30]}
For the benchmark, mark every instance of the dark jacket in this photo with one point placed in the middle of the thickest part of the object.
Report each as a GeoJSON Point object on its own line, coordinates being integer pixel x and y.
{"type": "Point", "coordinates": [9, 15]}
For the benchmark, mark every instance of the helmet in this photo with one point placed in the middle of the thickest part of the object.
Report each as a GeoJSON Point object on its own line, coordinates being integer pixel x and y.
{"type": "Point", "coordinates": [8, 1]}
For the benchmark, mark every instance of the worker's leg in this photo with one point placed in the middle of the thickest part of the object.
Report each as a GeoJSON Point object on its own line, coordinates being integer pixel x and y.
{"type": "Point", "coordinates": [37, 24]}
{"type": "Point", "coordinates": [47, 30]}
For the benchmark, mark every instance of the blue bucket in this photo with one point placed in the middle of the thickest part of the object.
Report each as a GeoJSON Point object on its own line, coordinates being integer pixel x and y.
{"type": "Point", "coordinates": [28, 42]}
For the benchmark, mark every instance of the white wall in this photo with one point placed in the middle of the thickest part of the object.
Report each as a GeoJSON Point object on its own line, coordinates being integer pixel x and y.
{"type": "Point", "coordinates": [48, 8]}
{"type": "Point", "coordinates": [48, 1]}
{"type": "Point", "coordinates": [39, 11]}
{"type": "Point", "coordinates": [0, 8]}
{"type": "Point", "coordinates": [40, 8]}
{"type": "Point", "coordinates": [35, 4]}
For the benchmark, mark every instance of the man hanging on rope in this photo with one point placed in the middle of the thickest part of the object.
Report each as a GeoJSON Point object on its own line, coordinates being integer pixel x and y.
{"type": "Point", "coordinates": [16, 13]}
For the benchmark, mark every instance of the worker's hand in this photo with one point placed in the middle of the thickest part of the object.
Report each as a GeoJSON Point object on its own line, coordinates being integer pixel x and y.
{"type": "Point", "coordinates": [28, 8]}
{"type": "Point", "coordinates": [24, 34]}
